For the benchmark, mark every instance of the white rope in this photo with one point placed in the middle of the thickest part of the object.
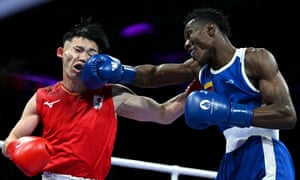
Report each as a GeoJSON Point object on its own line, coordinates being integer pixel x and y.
{"type": "Point", "coordinates": [174, 170]}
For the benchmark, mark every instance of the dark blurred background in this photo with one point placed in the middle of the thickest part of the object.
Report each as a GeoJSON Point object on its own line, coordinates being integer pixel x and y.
{"type": "Point", "coordinates": [31, 35]}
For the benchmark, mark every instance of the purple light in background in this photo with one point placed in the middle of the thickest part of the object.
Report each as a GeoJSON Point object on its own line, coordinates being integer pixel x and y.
{"type": "Point", "coordinates": [137, 29]}
{"type": "Point", "coordinates": [38, 79]}
{"type": "Point", "coordinates": [27, 82]}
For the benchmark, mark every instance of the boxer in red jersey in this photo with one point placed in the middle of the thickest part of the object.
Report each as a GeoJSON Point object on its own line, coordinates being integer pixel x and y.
{"type": "Point", "coordinates": [79, 124]}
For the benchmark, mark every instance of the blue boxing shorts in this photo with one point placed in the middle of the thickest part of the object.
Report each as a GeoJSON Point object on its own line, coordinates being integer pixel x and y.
{"type": "Point", "coordinates": [258, 158]}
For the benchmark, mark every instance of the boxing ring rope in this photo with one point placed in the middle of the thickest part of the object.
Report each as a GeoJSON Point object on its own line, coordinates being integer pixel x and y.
{"type": "Point", "coordinates": [174, 170]}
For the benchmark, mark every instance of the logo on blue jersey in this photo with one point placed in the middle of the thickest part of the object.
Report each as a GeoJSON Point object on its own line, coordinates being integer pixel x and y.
{"type": "Point", "coordinates": [229, 81]}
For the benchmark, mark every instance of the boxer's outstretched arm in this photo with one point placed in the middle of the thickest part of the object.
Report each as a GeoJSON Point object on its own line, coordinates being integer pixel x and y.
{"type": "Point", "coordinates": [152, 76]}
{"type": "Point", "coordinates": [101, 68]}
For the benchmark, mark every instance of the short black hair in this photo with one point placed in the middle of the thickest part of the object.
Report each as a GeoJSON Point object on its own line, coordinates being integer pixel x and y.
{"type": "Point", "coordinates": [90, 30]}
{"type": "Point", "coordinates": [210, 14]}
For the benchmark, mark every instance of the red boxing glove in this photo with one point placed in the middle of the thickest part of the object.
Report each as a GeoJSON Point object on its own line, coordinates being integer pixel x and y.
{"type": "Point", "coordinates": [194, 85]}
{"type": "Point", "coordinates": [30, 154]}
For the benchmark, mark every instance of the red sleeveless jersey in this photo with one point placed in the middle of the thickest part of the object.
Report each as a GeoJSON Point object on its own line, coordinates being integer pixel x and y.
{"type": "Point", "coordinates": [81, 127]}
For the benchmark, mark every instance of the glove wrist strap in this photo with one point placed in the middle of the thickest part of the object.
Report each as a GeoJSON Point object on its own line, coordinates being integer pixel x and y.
{"type": "Point", "coordinates": [241, 115]}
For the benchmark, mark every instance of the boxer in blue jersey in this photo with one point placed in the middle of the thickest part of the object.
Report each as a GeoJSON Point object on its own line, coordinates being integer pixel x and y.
{"type": "Point", "coordinates": [242, 92]}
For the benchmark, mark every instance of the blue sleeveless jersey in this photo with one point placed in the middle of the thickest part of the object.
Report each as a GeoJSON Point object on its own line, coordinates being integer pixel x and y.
{"type": "Point", "coordinates": [231, 82]}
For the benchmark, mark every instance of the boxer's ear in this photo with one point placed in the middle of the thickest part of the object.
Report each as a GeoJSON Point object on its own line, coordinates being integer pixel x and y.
{"type": "Point", "coordinates": [59, 52]}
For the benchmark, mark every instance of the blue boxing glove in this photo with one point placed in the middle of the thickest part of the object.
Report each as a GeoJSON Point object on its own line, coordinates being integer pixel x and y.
{"type": "Point", "coordinates": [102, 68]}
{"type": "Point", "coordinates": [89, 74]}
{"type": "Point", "coordinates": [115, 72]}
{"type": "Point", "coordinates": [205, 108]}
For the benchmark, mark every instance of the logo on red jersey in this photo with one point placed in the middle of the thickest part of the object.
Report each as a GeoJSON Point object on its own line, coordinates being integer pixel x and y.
{"type": "Point", "coordinates": [97, 101]}
{"type": "Point", "coordinates": [50, 104]}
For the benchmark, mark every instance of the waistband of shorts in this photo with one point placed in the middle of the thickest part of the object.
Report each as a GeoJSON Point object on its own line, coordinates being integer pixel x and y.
{"type": "Point", "coordinates": [235, 136]}
{"type": "Point", "coordinates": [57, 176]}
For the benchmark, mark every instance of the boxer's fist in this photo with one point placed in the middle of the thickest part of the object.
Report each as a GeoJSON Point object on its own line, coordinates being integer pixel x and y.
{"type": "Point", "coordinates": [102, 68]}
{"type": "Point", "coordinates": [30, 154]}
{"type": "Point", "coordinates": [113, 71]}
{"type": "Point", "coordinates": [90, 72]}
{"type": "Point", "coordinates": [205, 108]}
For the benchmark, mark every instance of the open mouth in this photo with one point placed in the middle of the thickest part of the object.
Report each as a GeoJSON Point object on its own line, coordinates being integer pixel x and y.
{"type": "Point", "coordinates": [78, 67]}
